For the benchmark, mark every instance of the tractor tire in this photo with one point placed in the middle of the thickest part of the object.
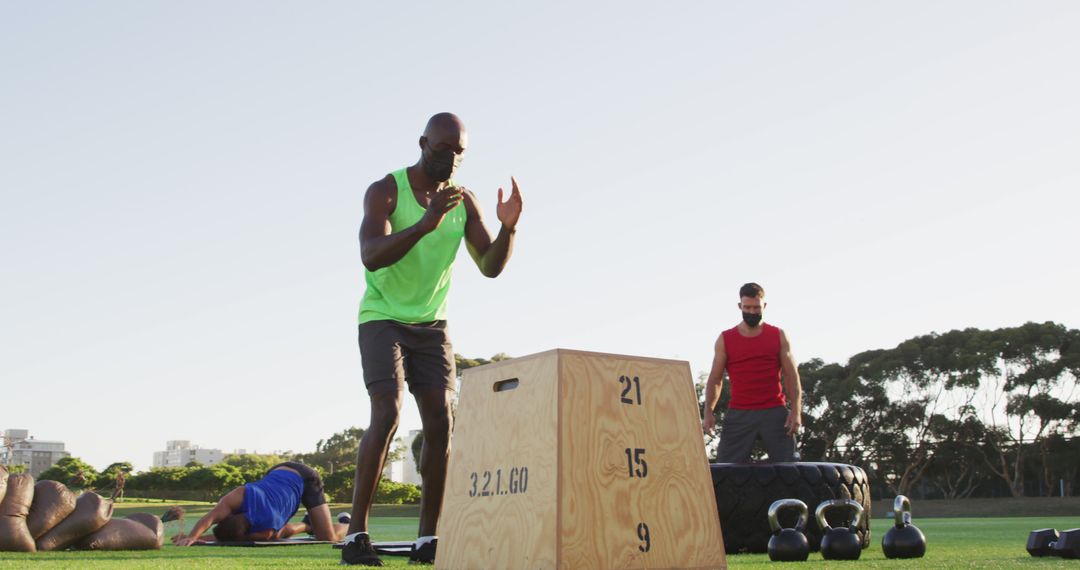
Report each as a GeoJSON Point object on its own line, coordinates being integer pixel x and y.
{"type": "Point", "coordinates": [744, 492]}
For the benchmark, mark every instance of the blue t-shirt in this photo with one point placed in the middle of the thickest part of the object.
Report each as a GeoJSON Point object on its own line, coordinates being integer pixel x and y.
{"type": "Point", "coordinates": [270, 502]}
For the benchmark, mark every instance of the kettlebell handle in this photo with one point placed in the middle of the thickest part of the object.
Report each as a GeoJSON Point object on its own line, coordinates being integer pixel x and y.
{"type": "Point", "coordinates": [902, 510]}
{"type": "Point", "coordinates": [774, 513]}
{"type": "Point", "coordinates": [856, 508]}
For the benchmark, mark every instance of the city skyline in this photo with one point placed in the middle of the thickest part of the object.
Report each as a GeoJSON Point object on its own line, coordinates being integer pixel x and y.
{"type": "Point", "coordinates": [9, 455]}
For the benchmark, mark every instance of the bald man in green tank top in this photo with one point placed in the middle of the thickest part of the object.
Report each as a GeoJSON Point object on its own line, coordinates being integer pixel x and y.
{"type": "Point", "coordinates": [414, 222]}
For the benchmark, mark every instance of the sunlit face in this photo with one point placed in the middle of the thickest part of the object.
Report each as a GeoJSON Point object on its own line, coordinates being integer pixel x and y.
{"type": "Point", "coordinates": [752, 305]}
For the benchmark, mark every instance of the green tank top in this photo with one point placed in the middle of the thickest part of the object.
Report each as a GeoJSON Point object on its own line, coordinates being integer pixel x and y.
{"type": "Point", "coordinates": [414, 289]}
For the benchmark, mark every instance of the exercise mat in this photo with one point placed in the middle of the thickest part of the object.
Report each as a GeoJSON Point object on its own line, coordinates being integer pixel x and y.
{"type": "Point", "coordinates": [388, 548]}
{"type": "Point", "coordinates": [261, 543]}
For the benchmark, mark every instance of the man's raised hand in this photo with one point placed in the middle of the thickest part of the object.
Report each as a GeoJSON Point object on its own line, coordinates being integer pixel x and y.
{"type": "Point", "coordinates": [443, 201]}
{"type": "Point", "coordinates": [510, 210]}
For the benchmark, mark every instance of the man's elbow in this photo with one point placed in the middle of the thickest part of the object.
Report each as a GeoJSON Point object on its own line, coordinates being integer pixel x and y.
{"type": "Point", "coordinates": [370, 262]}
{"type": "Point", "coordinates": [490, 270]}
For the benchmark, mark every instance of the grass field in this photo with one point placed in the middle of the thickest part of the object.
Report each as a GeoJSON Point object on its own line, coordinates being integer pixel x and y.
{"type": "Point", "coordinates": [984, 542]}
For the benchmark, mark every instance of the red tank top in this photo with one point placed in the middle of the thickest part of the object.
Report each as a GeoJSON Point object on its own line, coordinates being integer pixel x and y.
{"type": "Point", "coordinates": [753, 367]}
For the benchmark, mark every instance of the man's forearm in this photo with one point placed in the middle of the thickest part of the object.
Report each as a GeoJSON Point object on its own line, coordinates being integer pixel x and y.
{"type": "Point", "coordinates": [712, 395]}
{"type": "Point", "coordinates": [793, 392]}
{"type": "Point", "coordinates": [384, 251]}
{"type": "Point", "coordinates": [795, 402]}
{"type": "Point", "coordinates": [202, 525]}
{"type": "Point", "coordinates": [498, 254]}
{"type": "Point", "coordinates": [292, 529]}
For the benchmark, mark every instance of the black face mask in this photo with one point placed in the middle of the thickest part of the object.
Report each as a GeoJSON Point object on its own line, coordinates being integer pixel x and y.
{"type": "Point", "coordinates": [751, 319]}
{"type": "Point", "coordinates": [439, 164]}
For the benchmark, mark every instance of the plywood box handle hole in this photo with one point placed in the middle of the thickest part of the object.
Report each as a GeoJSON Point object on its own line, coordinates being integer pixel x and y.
{"type": "Point", "coordinates": [505, 385]}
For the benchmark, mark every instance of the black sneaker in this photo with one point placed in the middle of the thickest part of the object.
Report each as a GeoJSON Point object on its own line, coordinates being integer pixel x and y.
{"type": "Point", "coordinates": [423, 555]}
{"type": "Point", "coordinates": [359, 551]}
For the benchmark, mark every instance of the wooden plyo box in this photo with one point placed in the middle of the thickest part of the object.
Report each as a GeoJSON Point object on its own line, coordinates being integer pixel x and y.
{"type": "Point", "coordinates": [568, 459]}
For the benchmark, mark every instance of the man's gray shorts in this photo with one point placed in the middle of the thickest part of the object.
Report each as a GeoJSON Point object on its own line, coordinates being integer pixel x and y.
{"type": "Point", "coordinates": [394, 354]}
{"type": "Point", "coordinates": [742, 427]}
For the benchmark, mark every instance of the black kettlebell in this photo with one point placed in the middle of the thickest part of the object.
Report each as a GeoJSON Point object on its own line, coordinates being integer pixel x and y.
{"type": "Point", "coordinates": [903, 540]}
{"type": "Point", "coordinates": [788, 544]}
{"type": "Point", "coordinates": [840, 543]}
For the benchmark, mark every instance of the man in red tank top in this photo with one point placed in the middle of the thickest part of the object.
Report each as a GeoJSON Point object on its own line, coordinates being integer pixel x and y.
{"type": "Point", "coordinates": [766, 395]}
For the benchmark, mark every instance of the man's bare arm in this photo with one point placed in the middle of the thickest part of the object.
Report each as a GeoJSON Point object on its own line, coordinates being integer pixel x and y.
{"type": "Point", "coordinates": [491, 256]}
{"type": "Point", "coordinates": [291, 529]}
{"type": "Point", "coordinates": [792, 385]}
{"type": "Point", "coordinates": [378, 246]}
{"type": "Point", "coordinates": [714, 384]}
{"type": "Point", "coordinates": [232, 501]}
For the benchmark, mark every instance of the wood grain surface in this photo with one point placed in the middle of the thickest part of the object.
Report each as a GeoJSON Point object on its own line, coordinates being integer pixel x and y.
{"type": "Point", "coordinates": [507, 431]}
{"type": "Point", "coordinates": [610, 500]}
{"type": "Point", "coordinates": [617, 473]}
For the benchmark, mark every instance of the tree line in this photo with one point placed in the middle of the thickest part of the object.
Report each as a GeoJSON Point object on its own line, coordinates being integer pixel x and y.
{"type": "Point", "coordinates": [966, 413]}
{"type": "Point", "coordinates": [334, 458]}
{"type": "Point", "coordinates": [195, 481]}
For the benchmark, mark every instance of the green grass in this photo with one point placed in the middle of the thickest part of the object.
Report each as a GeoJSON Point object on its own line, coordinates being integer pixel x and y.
{"type": "Point", "coordinates": [953, 543]}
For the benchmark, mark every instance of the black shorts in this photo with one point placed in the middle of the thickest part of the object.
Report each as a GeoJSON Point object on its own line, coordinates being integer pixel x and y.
{"type": "Point", "coordinates": [394, 354]}
{"type": "Point", "coordinates": [312, 495]}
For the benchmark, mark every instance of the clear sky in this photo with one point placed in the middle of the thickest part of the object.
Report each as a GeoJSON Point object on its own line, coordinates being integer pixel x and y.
{"type": "Point", "coordinates": [182, 187]}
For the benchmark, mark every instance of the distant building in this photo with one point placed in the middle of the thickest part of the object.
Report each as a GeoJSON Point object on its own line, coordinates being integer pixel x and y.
{"type": "Point", "coordinates": [405, 469]}
{"type": "Point", "coordinates": [180, 452]}
{"type": "Point", "coordinates": [20, 448]}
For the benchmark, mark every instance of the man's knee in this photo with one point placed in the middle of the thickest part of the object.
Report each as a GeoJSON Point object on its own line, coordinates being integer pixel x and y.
{"type": "Point", "coordinates": [435, 413]}
{"type": "Point", "coordinates": [737, 436]}
{"type": "Point", "coordinates": [385, 413]}
{"type": "Point", "coordinates": [779, 444]}
{"type": "Point", "coordinates": [437, 429]}
{"type": "Point", "coordinates": [384, 424]}
{"type": "Point", "coordinates": [736, 449]}
{"type": "Point", "coordinates": [733, 454]}
{"type": "Point", "coordinates": [783, 450]}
